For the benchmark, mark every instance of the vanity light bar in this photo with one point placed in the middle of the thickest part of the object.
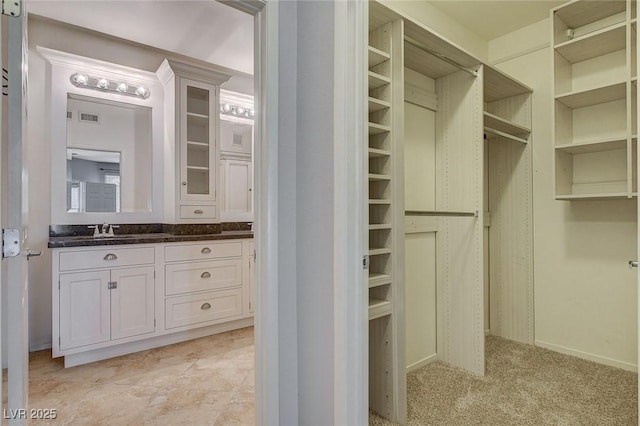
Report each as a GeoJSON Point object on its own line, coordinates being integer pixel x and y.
{"type": "Point", "coordinates": [236, 111]}
{"type": "Point", "coordinates": [86, 81]}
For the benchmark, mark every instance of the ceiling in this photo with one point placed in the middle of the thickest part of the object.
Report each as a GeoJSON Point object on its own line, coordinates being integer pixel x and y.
{"type": "Point", "coordinates": [491, 19]}
{"type": "Point", "coordinates": [205, 30]}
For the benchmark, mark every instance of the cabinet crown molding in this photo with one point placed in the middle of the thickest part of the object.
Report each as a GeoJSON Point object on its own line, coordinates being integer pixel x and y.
{"type": "Point", "coordinates": [170, 67]}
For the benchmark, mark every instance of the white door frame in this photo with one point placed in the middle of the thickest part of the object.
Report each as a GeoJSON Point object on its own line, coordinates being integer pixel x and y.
{"type": "Point", "coordinates": [265, 203]}
{"type": "Point", "coordinates": [17, 210]}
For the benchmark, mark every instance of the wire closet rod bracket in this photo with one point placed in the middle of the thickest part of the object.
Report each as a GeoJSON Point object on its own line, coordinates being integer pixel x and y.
{"type": "Point", "coordinates": [440, 56]}
{"type": "Point", "coordinates": [441, 213]}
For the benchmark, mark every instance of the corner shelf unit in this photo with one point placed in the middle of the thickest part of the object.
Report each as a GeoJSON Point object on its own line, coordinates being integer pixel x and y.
{"type": "Point", "coordinates": [595, 99]}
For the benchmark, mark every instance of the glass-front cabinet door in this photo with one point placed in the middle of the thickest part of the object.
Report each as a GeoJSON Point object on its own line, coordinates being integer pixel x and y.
{"type": "Point", "coordinates": [198, 141]}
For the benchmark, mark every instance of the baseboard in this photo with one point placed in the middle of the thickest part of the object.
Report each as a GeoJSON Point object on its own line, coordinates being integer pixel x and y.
{"type": "Point", "coordinates": [588, 356]}
{"type": "Point", "coordinates": [39, 347]}
{"type": "Point", "coordinates": [422, 363]}
{"type": "Point", "coordinates": [487, 332]}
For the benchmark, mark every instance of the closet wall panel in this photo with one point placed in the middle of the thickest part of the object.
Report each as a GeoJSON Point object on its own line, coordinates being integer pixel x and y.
{"type": "Point", "coordinates": [459, 167]}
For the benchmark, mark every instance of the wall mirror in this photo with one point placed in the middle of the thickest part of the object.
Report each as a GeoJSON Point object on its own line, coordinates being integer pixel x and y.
{"type": "Point", "coordinates": [106, 124]}
{"type": "Point", "coordinates": [109, 161]}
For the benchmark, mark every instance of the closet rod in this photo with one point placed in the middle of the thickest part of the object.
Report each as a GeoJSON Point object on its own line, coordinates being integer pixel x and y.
{"type": "Point", "coordinates": [435, 213]}
{"type": "Point", "coordinates": [439, 56]}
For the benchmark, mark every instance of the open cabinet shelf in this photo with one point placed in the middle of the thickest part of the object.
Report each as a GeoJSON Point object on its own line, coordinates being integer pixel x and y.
{"type": "Point", "coordinates": [594, 44]}
{"type": "Point", "coordinates": [377, 56]}
{"type": "Point", "coordinates": [498, 123]}
{"type": "Point", "coordinates": [595, 96]}
{"type": "Point", "coordinates": [378, 308]}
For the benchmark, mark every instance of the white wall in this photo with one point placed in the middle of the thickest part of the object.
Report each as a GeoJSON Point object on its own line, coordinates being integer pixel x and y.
{"type": "Point", "coordinates": [426, 14]}
{"type": "Point", "coordinates": [585, 296]}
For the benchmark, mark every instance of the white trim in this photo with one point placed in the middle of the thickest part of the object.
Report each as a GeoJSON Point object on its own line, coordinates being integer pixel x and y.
{"type": "Point", "coordinates": [588, 356]}
{"type": "Point", "coordinates": [39, 346]}
{"type": "Point", "coordinates": [349, 278]}
{"type": "Point", "coordinates": [265, 182]}
{"type": "Point", "coordinates": [422, 363]}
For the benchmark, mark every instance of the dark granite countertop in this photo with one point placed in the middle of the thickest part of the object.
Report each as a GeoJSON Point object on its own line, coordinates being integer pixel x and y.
{"type": "Point", "coordinates": [85, 241]}
{"type": "Point", "coordinates": [61, 236]}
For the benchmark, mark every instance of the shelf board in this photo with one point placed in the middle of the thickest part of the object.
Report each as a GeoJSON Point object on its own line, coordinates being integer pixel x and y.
{"type": "Point", "coordinates": [376, 280]}
{"type": "Point", "coordinates": [597, 95]}
{"type": "Point", "coordinates": [375, 176]}
{"type": "Point", "coordinates": [578, 14]}
{"type": "Point", "coordinates": [498, 85]}
{"type": "Point", "coordinates": [602, 196]}
{"type": "Point", "coordinates": [504, 135]}
{"type": "Point", "coordinates": [376, 227]}
{"type": "Point", "coordinates": [376, 80]}
{"type": "Point", "coordinates": [196, 115]}
{"type": "Point", "coordinates": [378, 129]}
{"type": "Point", "coordinates": [378, 308]}
{"type": "Point", "coordinates": [379, 251]}
{"type": "Point", "coordinates": [597, 43]}
{"type": "Point", "coordinates": [594, 146]}
{"type": "Point", "coordinates": [378, 202]}
{"type": "Point", "coordinates": [198, 168]}
{"type": "Point", "coordinates": [377, 56]}
{"type": "Point", "coordinates": [199, 146]}
{"type": "Point", "coordinates": [377, 104]}
{"type": "Point", "coordinates": [377, 153]}
{"type": "Point", "coordinates": [498, 123]}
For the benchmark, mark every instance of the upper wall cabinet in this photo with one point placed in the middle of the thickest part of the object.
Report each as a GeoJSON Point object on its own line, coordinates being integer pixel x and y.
{"type": "Point", "coordinates": [595, 106]}
{"type": "Point", "coordinates": [192, 96]}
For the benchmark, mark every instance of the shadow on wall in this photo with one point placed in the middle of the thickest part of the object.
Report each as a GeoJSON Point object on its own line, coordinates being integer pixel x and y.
{"type": "Point", "coordinates": [605, 230]}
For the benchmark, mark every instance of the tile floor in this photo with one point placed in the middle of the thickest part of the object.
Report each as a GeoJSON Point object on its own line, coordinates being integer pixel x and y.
{"type": "Point", "coordinates": [207, 381]}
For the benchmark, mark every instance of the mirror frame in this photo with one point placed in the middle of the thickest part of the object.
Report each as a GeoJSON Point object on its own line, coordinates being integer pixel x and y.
{"type": "Point", "coordinates": [60, 66]}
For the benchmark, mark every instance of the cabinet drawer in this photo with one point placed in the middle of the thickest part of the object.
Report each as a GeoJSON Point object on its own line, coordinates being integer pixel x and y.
{"type": "Point", "coordinates": [106, 258]}
{"type": "Point", "coordinates": [200, 276]}
{"type": "Point", "coordinates": [197, 212]}
{"type": "Point", "coordinates": [202, 251]}
{"type": "Point", "coordinates": [201, 308]}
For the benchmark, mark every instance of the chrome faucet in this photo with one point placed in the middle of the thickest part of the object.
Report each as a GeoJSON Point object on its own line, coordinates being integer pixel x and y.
{"type": "Point", "coordinates": [104, 230]}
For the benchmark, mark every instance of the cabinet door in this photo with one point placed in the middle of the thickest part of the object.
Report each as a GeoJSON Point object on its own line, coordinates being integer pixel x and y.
{"type": "Point", "coordinates": [84, 309]}
{"type": "Point", "coordinates": [237, 187]}
{"type": "Point", "coordinates": [236, 137]}
{"type": "Point", "coordinates": [198, 130]}
{"type": "Point", "coordinates": [132, 302]}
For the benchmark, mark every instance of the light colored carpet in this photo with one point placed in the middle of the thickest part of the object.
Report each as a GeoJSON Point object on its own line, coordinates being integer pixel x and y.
{"type": "Point", "coordinates": [523, 385]}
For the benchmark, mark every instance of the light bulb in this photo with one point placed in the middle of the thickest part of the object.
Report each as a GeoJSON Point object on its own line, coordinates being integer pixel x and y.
{"type": "Point", "coordinates": [251, 113]}
{"type": "Point", "coordinates": [141, 91]}
{"type": "Point", "coordinates": [81, 78]}
{"type": "Point", "coordinates": [240, 110]}
{"type": "Point", "coordinates": [227, 108]}
{"type": "Point", "coordinates": [103, 83]}
{"type": "Point", "coordinates": [122, 87]}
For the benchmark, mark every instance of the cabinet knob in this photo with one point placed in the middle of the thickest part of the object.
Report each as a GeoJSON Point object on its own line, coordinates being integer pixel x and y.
{"type": "Point", "coordinates": [205, 306]}
{"type": "Point", "coordinates": [198, 211]}
{"type": "Point", "coordinates": [110, 256]}
{"type": "Point", "coordinates": [205, 275]}
{"type": "Point", "coordinates": [205, 250]}
{"type": "Point", "coordinates": [184, 183]}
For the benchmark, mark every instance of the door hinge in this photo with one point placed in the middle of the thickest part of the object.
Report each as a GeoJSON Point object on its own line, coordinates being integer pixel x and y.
{"type": "Point", "coordinates": [254, 256]}
{"type": "Point", "coordinates": [365, 261]}
{"type": "Point", "coordinates": [11, 7]}
{"type": "Point", "coordinates": [112, 284]}
{"type": "Point", "coordinates": [10, 242]}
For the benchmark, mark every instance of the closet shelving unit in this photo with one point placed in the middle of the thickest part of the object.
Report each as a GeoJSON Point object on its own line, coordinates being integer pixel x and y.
{"type": "Point", "coordinates": [386, 372]}
{"type": "Point", "coordinates": [595, 99]}
{"type": "Point", "coordinates": [508, 191]}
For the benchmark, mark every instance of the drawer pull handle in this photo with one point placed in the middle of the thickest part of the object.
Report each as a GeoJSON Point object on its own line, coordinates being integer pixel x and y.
{"type": "Point", "coordinates": [205, 306]}
{"type": "Point", "coordinates": [110, 256]}
{"type": "Point", "coordinates": [205, 275]}
{"type": "Point", "coordinates": [205, 250]}
{"type": "Point", "coordinates": [198, 211]}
